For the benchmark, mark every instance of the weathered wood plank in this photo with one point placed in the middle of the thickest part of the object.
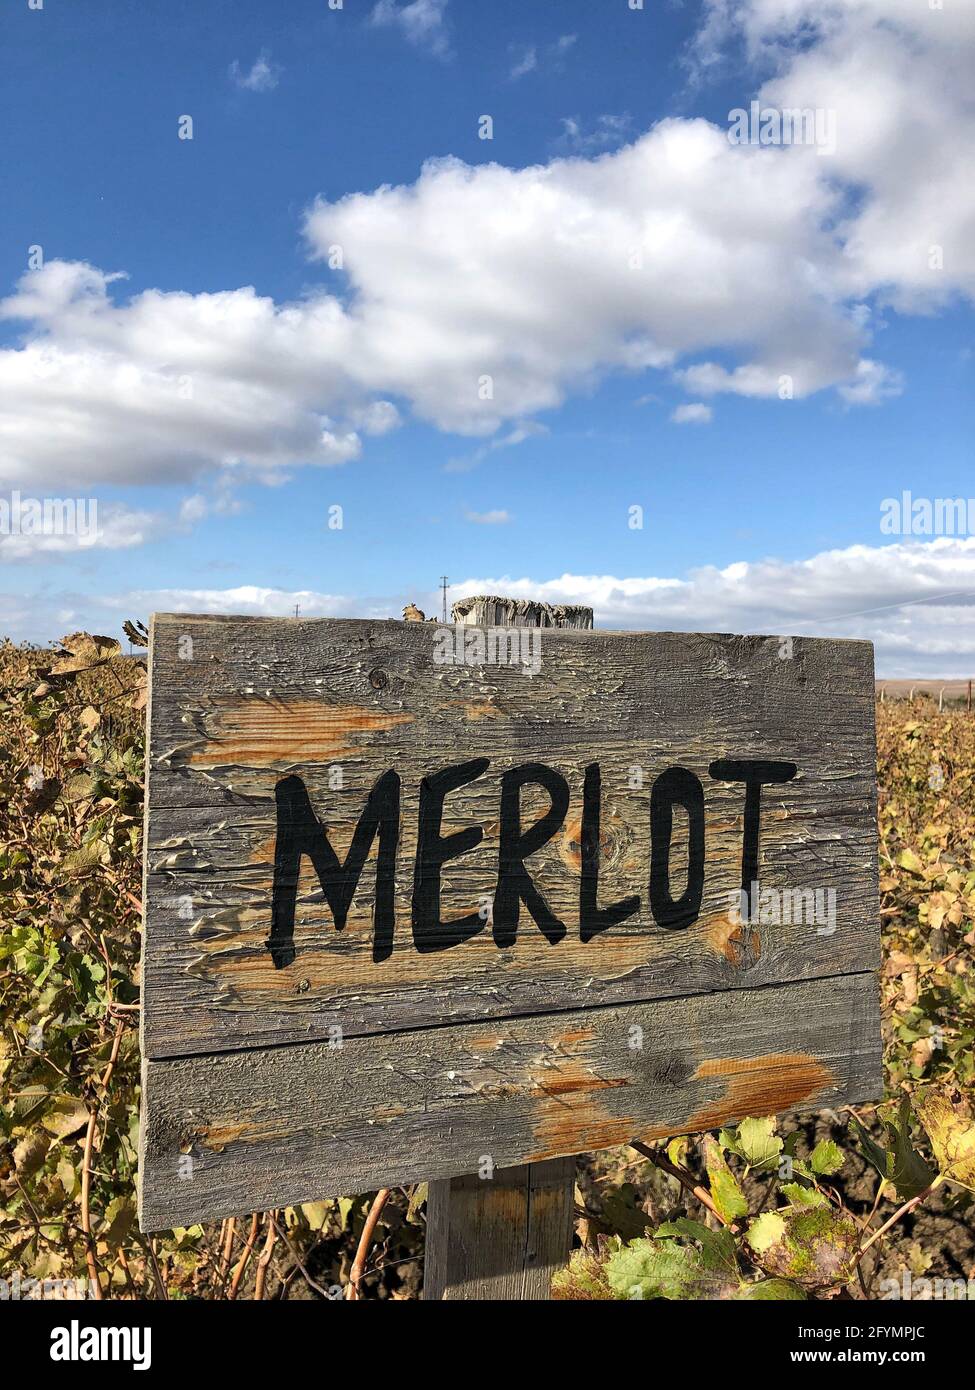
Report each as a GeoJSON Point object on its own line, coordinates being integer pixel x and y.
{"type": "Point", "coordinates": [249, 1130]}
{"type": "Point", "coordinates": [501, 1236]}
{"type": "Point", "coordinates": [257, 700]}
{"type": "Point", "coordinates": [505, 1238]}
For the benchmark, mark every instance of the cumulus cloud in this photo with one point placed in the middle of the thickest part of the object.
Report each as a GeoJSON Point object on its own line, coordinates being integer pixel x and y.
{"type": "Point", "coordinates": [732, 267]}
{"type": "Point", "coordinates": [422, 22]}
{"type": "Point", "coordinates": [678, 243]}
{"type": "Point", "coordinates": [71, 526]}
{"type": "Point", "coordinates": [872, 384]}
{"type": "Point", "coordinates": [167, 385]}
{"type": "Point", "coordinates": [692, 413]}
{"type": "Point", "coordinates": [47, 614]}
{"type": "Point", "coordinates": [898, 75]}
{"type": "Point", "coordinates": [378, 417]}
{"type": "Point", "coordinates": [42, 528]}
{"type": "Point", "coordinates": [251, 600]}
{"type": "Point", "coordinates": [914, 600]}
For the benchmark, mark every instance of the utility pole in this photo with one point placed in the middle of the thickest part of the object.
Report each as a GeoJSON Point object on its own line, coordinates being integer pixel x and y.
{"type": "Point", "coordinates": [443, 585]}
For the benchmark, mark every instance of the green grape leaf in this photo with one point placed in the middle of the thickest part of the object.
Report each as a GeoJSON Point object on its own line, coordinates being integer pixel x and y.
{"type": "Point", "coordinates": [728, 1197]}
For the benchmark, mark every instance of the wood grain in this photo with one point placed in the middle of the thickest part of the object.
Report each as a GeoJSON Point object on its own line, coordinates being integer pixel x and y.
{"type": "Point", "coordinates": [249, 1130]}
{"type": "Point", "coordinates": [260, 699]}
{"type": "Point", "coordinates": [507, 1237]}
{"type": "Point", "coordinates": [489, 610]}
{"type": "Point", "coordinates": [499, 1237]}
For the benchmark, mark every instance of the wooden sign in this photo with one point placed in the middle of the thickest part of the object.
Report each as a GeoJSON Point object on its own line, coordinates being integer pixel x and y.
{"type": "Point", "coordinates": [425, 900]}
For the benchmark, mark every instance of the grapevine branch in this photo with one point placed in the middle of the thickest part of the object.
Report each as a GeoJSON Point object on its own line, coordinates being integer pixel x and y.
{"type": "Point", "coordinates": [365, 1241]}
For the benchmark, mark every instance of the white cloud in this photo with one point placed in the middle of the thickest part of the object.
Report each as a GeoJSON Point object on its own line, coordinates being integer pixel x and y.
{"type": "Point", "coordinates": [422, 22]}
{"type": "Point", "coordinates": [606, 130]}
{"type": "Point", "coordinates": [527, 429]}
{"type": "Point", "coordinates": [193, 509]}
{"type": "Point", "coordinates": [873, 383]}
{"type": "Point", "coordinates": [378, 417]}
{"type": "Point", "coordinates": [250, 600]}
{"type": "Point", "coordinates": [526, 63]}
{"type": "Point", "coordinates": [168, 386]}
{"type": "Point", "coordinates": [263, 75]}
{"type": "Point", "coordinates": [731, 266]}
{"type": "Point", "coordinates": [692, 413]}
{"type": "Point", "coordinates": [898, 75]}
{"type": "Point", "coordinates": [499, 517]}
{"type": "Point", "coordinates": [529, 58]}
{"type": "Point", "coordinates": [90, 527]}
{"type": "Point", "coordinates": [915, 600]}
{"type": "Point", "coordinates": [48, 527]}
{"type": "Point", "coordinates": [550, 295]}
{"type": "Point", "coordinates": [45, 615]}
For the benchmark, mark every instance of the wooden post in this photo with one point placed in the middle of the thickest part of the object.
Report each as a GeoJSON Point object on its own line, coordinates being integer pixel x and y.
{"type": "Point", "coordinates": [502, 1236]}
{"type": "Point", "coordinates": [969, 697]}
{"type": "Point", "coordinates": [487, 610]}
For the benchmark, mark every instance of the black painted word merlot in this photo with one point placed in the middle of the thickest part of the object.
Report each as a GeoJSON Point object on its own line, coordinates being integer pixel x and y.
{"type": "Point", "coordinates": [299, 832]}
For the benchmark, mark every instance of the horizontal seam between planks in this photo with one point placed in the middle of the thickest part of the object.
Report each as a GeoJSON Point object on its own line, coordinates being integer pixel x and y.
{"type": "Point", "coordinates": [516, 1018]}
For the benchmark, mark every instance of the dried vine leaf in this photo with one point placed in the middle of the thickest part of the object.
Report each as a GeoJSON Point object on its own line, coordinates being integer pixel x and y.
{"type": "Point", "coordinates": [584, 1278]}
{"type": "Point", "coordinates": [81, 651]}
{"type": "Point", "coordinates": [952, 1136]}
{"type": "Point", "coordinates": [66, 1116]}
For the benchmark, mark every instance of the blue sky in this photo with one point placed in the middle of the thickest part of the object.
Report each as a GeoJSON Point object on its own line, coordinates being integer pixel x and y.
{"type": "Point", "coordinates": [215, 435]}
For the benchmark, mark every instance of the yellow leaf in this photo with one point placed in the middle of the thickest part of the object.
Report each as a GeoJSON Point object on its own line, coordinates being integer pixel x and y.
{"type": "Point", "coordinates": [907, 859]}
{"type": "Point", "coordinates": [66, 1115]}
{"type": "Point", "coordinates": [952, 1137]}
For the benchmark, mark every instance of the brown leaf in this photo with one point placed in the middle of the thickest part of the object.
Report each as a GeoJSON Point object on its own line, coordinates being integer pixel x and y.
{"type": "Point", "coordinates": [81, 651]}
{"type": "Point", "coordinates": [66, 1116]}
{"type": "Point", "coordinates": [30, 1153]}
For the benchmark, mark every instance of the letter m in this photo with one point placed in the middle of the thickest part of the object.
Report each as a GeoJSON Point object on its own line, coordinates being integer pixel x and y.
{"type": "Point", "coordinates": [299, 832]}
